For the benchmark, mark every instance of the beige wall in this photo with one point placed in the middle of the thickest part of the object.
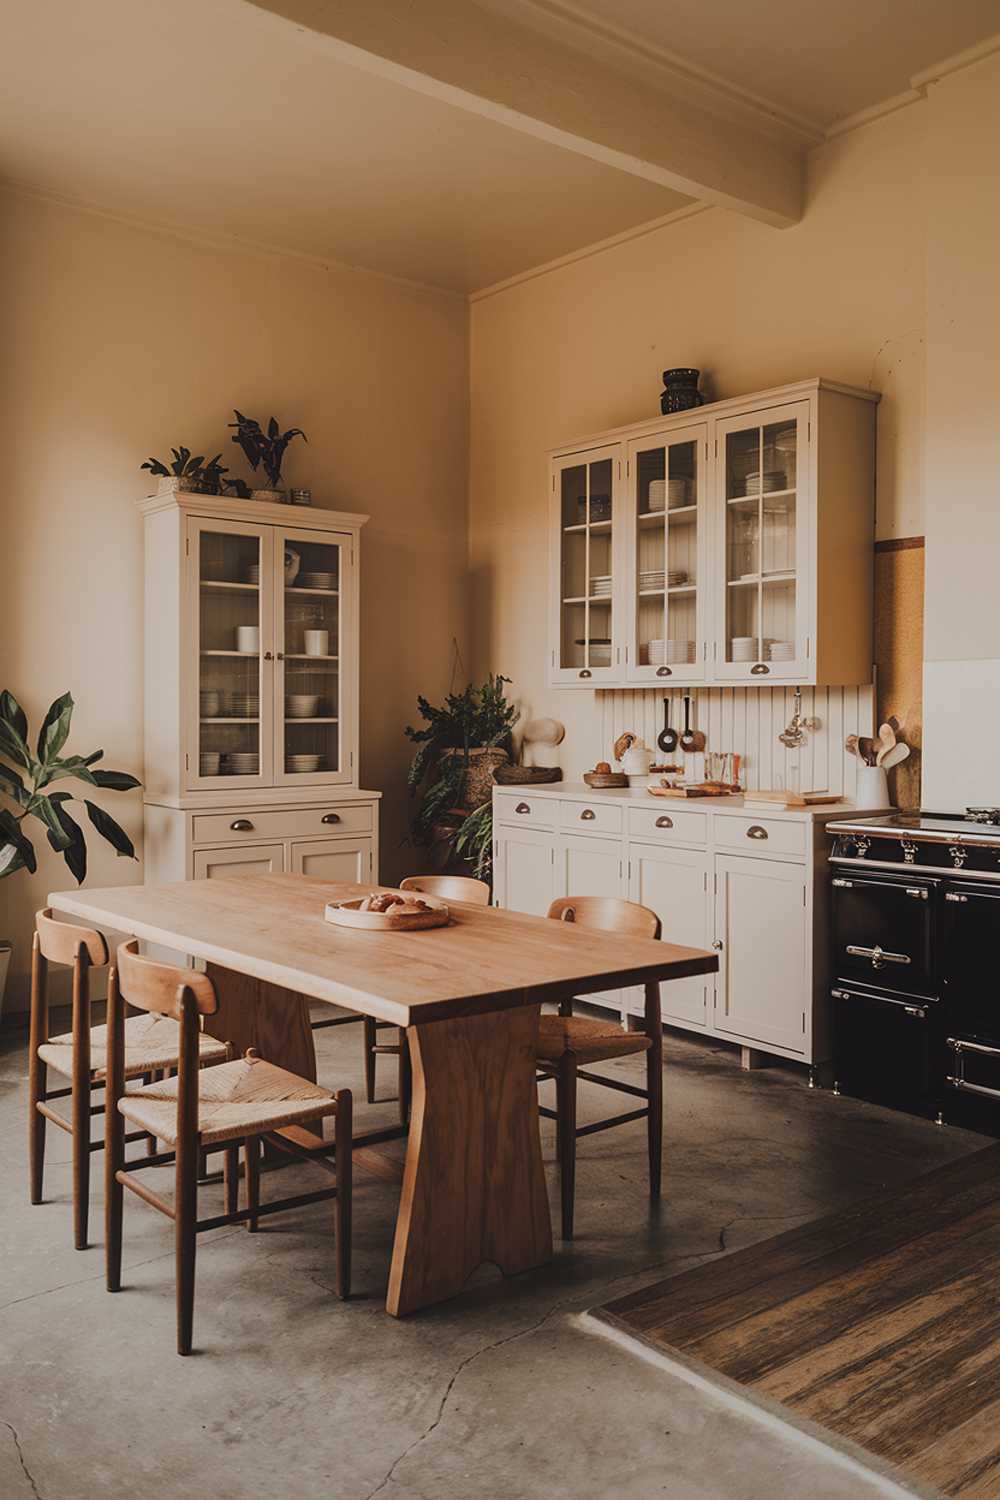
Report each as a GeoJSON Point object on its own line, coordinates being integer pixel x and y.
{"type": "Point", "coordinates": [118, 341]}
{"type": "Point", "coordinates": [581, 348]}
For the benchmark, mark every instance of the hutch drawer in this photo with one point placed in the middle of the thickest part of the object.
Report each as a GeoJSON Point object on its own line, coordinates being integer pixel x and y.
{"type": "Point", "coordinates": [527, 810]}
{"type": "Point", "coordinates": [326, 819]}
{"type": "Point", "coordinates": [768, 836]}
{"type": "Point", "coordinates": [590, 817]}
{"type": "Point", "coordinates": [668, 824]}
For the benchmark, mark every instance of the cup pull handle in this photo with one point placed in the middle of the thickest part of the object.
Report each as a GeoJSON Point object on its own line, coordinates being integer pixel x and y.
{"type": "Point", "coordinates": [588, 815]}
{"type": "Point", "coordinates": [330, 818]}
{"type": "Point", "coordinates": [585, 673]}
{"type": "Point", "coordinates": [664, 672]}
{"type": "Point", "coordinates": [664, 822]}
{"type": "Point", "coordinates": [241, 825]}
{"type": "Point", "coordinates": [756, 832]}
{"type": "Point", "coordinates": [760, 670]}
{"type": "Point", "coordinates": [522, 807]}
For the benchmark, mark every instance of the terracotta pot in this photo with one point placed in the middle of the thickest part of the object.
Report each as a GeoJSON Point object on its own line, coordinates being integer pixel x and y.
{"type": "Point", "coordinates": [479, 777]}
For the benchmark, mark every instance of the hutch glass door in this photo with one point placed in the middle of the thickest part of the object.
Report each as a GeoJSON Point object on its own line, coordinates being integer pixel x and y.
{"type": "Point", "coordinates": [232, 564]}
{"type": "Point", "coordinates": [765, 578]}
{"type": "Point", "coordinates": [666, 555]}
{"type": "Point", "coordinates": [586, 648]}
{"type": "Point", "coordinates": [311, 711]}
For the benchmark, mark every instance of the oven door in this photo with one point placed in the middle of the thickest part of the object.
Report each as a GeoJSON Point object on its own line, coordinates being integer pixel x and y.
{"type": "Point", "coordinates": [886, 1047]}
{"type": "Point", "coordinates": [972, 1084]}
{"type": "Point", "coordinates": [970, 958]}
{"type": "Point", "coordinates": [882, 927]}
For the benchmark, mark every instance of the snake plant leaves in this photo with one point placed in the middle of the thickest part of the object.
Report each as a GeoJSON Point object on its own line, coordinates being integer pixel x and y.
{"type": "Point", "coordinates": [55, 728]}
{"type": "Point", "coordinates": [110, 830]}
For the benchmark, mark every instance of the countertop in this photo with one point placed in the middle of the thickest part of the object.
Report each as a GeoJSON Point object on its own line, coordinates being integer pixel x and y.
{"type": "Point", "coordinates": [640, 797]}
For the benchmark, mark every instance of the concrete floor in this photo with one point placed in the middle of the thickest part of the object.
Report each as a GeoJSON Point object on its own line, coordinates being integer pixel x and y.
{"type": "Point", "coordinates": [505, 1391]}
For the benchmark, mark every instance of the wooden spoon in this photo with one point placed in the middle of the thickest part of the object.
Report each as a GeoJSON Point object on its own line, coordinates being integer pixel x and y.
{"type": "Point", "coordinates": [691, 739]}
{"type": "Point", "coordinates": [851, 744]}
{"type": "Point", "coordinates": [885, 742]}
{"type": "Point", "coordinates": [866, 749]}
{"type": "Point", "coordinates": [895, 756]}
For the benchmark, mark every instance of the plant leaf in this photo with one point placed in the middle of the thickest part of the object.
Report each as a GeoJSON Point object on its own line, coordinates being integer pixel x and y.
{"type": "Point", "coordinates": [55, 728]}
{"type": "Point", "coordinates": [41, 808]}
{"type": "Point", "coordinates": [110, 830]}
{"type": "Point", "coordinates": [74, 765]}
{"type": "Point", "coordinates": [10, 859]}
{"type": "Point", "coordinates": [14, 747]}
{"type": "Point", "coordinates": [10, 831]}
{"type": "Point", "coordinates": [12, 784]}
{"type": "Point", "coordinates": [13, 714]}
{"type": "Point", "coordinates": [116, 781]}
{"type": "Point", "coordinates": [75, 850]}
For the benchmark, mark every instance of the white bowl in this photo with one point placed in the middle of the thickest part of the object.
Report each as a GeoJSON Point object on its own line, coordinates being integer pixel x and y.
{"type": "Point", "coordinates": [302, 705]}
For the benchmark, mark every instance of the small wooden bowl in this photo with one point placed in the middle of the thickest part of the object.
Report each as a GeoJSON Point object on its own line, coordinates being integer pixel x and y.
{"type": "Point", "coordinates": [348, 914]}
{"type": "Point", "coordinates": [602, 780]}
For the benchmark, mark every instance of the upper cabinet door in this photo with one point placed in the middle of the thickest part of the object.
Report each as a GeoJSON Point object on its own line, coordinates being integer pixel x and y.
{"type": "Point", "coordinates": [587, 596]}
{"type": "Point", "coordinates": [666, 567]}
{"type": "Point", "coordinates": [765, 502]}
{"type": "Point", "coordinates": [314, 688]}
{"type": "Point", "coordinates": [227, 662]}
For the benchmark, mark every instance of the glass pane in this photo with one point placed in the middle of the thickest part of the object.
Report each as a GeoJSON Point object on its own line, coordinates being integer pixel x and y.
{"type": "Point", "coordinates": [682, 553]}
{"type": "Point", "coordinates": [586, 580]}
{"type": "Point", "coordinates": [229, 659]}
{"type": "Point", "coordinates": [778, 516]}
{"type": "Point", "coordinates": [743, 545]}
{"type": "Point", "coordinates": [312, 640]}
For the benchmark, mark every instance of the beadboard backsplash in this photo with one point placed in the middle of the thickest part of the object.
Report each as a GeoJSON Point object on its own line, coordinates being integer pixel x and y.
{"type": "Point", "coordinates": [748, 721]}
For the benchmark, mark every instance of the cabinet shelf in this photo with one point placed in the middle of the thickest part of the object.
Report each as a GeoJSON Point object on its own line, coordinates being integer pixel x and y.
{"type": "Point", "coordinates": [320, 720]}
{"type": "Point", "coordinates": [227, 719]}
{"type": "Point", "coordinates": [786, 575]}
{"type": "Point", "coordinates": [302, 656]}
{"type": "Point", "coordinates": [589, 599]}
{"type": "Point", "coordinates": [750, 502]}
{"type": "Point", "coordinates": [678, 588]}
{"type": "Point", "coordinates": [326, 593]}
{"type": "Point", "coordinates": [224, 585]}
{"type": "Point", "coordinates": [594, 526]}
{"type": "Point", "coordinates": [685, 514]}
{"type": "Point", "coordinates": [246, 655]}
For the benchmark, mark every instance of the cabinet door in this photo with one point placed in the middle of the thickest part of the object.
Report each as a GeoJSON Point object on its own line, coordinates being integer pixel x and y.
{"type": "Point", "coordinates": [666, 556]}
{"type": "Point", "coordinates": [592, 867]}
{"type": "Point", "coordinates": [586, 587]}
{"type": "Point", "coordinates": [760, 919]}
{"type": "Point", "coordinates": [227, 677]}
{"type": "Point", "coordinates": [525, 870]}
{"type": "Point", "coordinates": [674, 884]}
{"type": "Point", "coordinates": [315, 654]}
{"type": "Point", "coordinates": [248, 859]}
{"type": "Point", "coordinates": [334, 859]}
{"type": "Point", "coordinates": [765, 496]}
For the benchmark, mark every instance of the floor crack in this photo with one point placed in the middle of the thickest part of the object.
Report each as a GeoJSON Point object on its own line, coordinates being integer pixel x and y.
{"type": "Point", "coordinates": [20, 1458]}
{"type": "Point", "coordinates": [510, 1338]}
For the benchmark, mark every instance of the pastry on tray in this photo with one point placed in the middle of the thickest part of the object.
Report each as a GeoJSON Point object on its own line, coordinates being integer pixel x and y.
{"type": "Point", "coordinates": [399, 906]}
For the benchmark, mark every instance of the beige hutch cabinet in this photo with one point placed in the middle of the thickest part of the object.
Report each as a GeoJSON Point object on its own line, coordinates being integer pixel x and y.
{"type": "Point", "coordinates": [730, 544]}
{"type": "Point", "coordinates": [251, 691]}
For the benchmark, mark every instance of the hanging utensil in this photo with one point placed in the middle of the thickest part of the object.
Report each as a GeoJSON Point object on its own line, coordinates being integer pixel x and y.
{"type": "Point", "coordinates": [793, 735]}
{"type": "Point", "coordinates": [895, 756]}
{"type": "Point", "coordinates": [667, 737]}
{"type": "Point", "coordinates": [691, 739]}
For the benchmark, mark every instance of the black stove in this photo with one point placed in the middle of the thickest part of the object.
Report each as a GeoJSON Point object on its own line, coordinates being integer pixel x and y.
{"type": "Point", "coordinates": [915, 924]}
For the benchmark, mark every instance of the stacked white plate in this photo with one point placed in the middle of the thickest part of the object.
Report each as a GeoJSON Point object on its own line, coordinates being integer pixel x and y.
{"type": "Point", "coordinates": [242, 706]}
{"type": "Point", "coordinates": [781, 651]}
{"type": "Point", "coordinates": [679, 492]}
{"type": "Point", "coordinates": [209, 762]}
{"type": "Point", "coordinates": [774, 479]}
{"type": "Point", "coordinates": [600, 588]}
{"type": "Point", "coordinates": [243, 763]}
{"type": "Point", "coordinates": [300, 764]}
{"type": "Point", "coordinates": [743, 648]}
{"type": "Point", "coordinates": [316, 580]}
{"type": "Point", "coordinates": [253, 573]}
{"type": "Point", "coordinates": [302, 705]}
{"type": "Point", "coordinates": [669, 653]}
{"type": "Point", "coordinates": [656, 494]}
{"type": "Point", "coordinates": [210, 703]}
{"type": "Point", "coordinates": [651, 580]}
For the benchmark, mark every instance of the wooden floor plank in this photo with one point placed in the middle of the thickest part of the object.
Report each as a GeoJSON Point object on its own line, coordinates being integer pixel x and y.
{"type": "Point", "coordinates": [882, 1324]}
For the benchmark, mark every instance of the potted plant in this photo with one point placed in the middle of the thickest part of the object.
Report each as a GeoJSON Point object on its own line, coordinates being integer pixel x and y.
{"type": "Point", "coordinates": [26, 777]}
{"type": "Point", "coordinates": [265, 449]}
{"type": "Point", "coordinates": [185, 472]}
{"type": "Point", "coordinates": [458, 748]}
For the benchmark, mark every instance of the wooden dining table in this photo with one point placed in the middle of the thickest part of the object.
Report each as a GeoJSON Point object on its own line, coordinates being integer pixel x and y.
{"type": "Point", "coordinates": [468, 996]}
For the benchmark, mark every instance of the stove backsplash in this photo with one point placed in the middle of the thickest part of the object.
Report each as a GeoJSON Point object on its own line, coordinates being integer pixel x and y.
{"type": "Point", "coordinates": [748, 721]}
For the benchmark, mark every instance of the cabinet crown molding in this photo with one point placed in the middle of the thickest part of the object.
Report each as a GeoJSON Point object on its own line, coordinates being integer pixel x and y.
{"type": "Point", "coordinates": [259, 512]}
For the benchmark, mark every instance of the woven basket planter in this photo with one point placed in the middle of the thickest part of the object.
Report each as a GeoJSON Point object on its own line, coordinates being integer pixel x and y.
{"type": "Point", "coordinates": [479, 777]}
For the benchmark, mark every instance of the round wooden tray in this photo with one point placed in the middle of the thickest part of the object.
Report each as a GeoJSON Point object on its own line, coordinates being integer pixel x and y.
{"type": "Point", "coordinates": [525, 775]}
{"type": "Point", "coordinates": [602, 780]}
{"type": "Point", "coordinates": [347, 914]}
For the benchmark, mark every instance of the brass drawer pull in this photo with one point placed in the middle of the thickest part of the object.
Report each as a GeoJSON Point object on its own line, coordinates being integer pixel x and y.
{"type": "Point", "coordinates": [664, 672]}
{"type": "Point", "coordinates": [588, 815]}
{"type": "Point", "coordinates": [241, 825]}
{"type": "Point", "coordinates": [760, 670]}
{"type": "Point", "coordinates": [330, 818]}
{"type": "Point", "coordinates": [756, 832]}
{"type": "Point", "coordinates": [522, 807]}
{"type": "Point", "coordinates": [585, 673]}
{"type": "Point", "coordinates": [664, 822]}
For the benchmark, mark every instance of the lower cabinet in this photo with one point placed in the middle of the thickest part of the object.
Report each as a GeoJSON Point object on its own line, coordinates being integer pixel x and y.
{"type": "Point", "coordinates": [334, 859]}
{"type": "Point", "coordinates": [763, 981]}
{"type": "Point", "coordinates": [248, 859]}
{"type": "Point", "coordinates": [675, 883]}
{"type": "Point", "coordinates": [525, 870]}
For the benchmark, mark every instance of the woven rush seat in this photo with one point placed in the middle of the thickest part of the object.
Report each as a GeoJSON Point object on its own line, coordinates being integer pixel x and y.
{"type": "Point", "coordinates": [245, 1097]}
{"type": "Point", "coordinates": [151, 1042]}
{"type": "Point", "coordinates": [589, 1039]}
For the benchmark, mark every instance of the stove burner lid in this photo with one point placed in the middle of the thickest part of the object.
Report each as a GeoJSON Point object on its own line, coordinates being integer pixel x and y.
{"type": "Point", "coordinates": [983, 815]}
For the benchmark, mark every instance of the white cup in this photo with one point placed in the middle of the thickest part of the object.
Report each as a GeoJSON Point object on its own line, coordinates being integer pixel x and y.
{"type": "Point", "coordinates": [248, 638]}
{"type": "Point", "coordinates": [317, 642]}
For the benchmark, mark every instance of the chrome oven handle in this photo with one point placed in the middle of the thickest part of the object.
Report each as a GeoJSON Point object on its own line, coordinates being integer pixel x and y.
{"type": "Point", "coordinates": [878, 956]}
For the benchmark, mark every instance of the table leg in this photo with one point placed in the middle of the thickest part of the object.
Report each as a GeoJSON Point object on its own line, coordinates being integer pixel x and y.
{"type": "Point", "coordinates": [473, 1184]}
{"type": "Point", "coordinates": [253, 1013]}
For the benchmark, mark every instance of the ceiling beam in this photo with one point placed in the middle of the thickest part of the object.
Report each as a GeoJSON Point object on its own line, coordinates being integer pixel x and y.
{"type": "Point", "coordinates": [475, 57]}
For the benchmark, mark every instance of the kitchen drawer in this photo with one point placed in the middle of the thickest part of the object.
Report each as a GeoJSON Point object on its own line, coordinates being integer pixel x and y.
{"type": "Point", "coordinates": [590, 817]}
{"type": "Point", "coordinates": [329, 819]}
{"type": "Point", "coordinates": [526, 811]}
{"type": "Point", "coordinates": [672, 825]}
{"type": "Point", "coordinates": [768, 836]}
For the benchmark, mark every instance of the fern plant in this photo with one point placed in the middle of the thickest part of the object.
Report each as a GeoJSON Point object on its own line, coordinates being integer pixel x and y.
{"type": "Point", "coordinates": [480, 717]}
{"type": "Point", "coordinates": [26, 775]}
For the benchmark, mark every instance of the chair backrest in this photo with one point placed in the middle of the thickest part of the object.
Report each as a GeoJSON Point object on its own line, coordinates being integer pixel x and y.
{"type": "Point", "coordinates": [449, 888]}
{"type": "Point", "coordinates": [160, 987]}
{"type": "Point", "coordinates": [60, 942]}
{"type": "Point", "coordinates": [607, 914]}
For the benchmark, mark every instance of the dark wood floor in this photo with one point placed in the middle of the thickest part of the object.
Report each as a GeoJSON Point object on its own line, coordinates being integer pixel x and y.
{"type": "Point", "coordinates": [882, 1324]}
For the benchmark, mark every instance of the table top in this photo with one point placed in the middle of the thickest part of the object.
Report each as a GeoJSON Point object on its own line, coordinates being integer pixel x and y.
{"type": "Point", "coordinates": [272, 927]}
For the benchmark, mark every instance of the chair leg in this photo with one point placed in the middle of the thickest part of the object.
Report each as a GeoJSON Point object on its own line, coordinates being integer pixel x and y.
{"type": "Point", "coordinates": [185, 1242]}
{"type": "Point", "coordinates": [80, 1112]}
{"type": "Point", "coordinates": [251, 1158]}
{"type": "Point", "coordinates": [37, 1076]}
{"type": "Point", "coordinates": [369, 1023]}
{"type": "Point", "coordinates": [151, 1145]}
{"type": "Point", "coordinates": [566, 1131]}
{"type": "Point", "coordinates": [231, 1177]}
{"type": "Point", "coordinates": [114, 1194]}
{"type": "Point", "coordinates": [345, 1172]}
{"type": "Point", "coordinates": [654, 1120]}
{"type": "Point", "coordinates": [405, 1077]}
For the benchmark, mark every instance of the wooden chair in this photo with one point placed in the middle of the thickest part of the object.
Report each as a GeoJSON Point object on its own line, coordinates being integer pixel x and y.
{"type": "Point", "coordinates": [237, 1102]}
{"type": "Point", "coordinates": [565, 1041]}
{"type": "Point", "coordinates": [449, 888]}
{"type": "Point", "coordinates": [151, 1044]}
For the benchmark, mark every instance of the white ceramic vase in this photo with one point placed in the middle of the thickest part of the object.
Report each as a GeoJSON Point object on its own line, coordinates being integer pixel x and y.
{"type": "Point", "coordinates": [873, 787]}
